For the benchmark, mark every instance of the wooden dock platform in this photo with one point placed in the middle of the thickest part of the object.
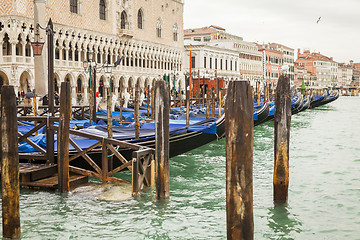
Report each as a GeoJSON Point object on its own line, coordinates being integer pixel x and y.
{"type": "Point", "coordinates": [42, 176]}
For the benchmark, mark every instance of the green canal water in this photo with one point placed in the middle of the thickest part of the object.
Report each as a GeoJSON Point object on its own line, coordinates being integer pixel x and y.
{"type": "Point", "coordinates": [324, 191]}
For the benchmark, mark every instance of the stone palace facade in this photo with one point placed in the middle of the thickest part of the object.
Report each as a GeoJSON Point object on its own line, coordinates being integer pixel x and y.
{"type": "Point", "coordinates": [147, 34]}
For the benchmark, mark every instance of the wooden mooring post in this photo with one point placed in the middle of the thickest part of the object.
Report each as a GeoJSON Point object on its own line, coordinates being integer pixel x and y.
{"type": "Point", "coordinates": [162, 146]}
{"type": "Point", "coordinates": [187, 107]}
{"type": "Point", "coordinates": [136, 110]}
{"type": "Point", "coordinates": [9, 165]}
{"type": "Point", "coordinates": [282, 120]}
{"type": "Point", "coordinates": [121, 101]}
{"type": "Point", "coordinates": [219, 104]}
{"type": "Point", "coordinates": [63, 136]}
{"type": "Point", "coordinates": [213, 103]}
{"type": "Point", "coordinates": [109, 113]}
{"type": "Point", "coordinates": [207, 105]}
{"type": "Point", "coordinates": [152, 102]}
{"type": "Point", "coordinates": [239, 160]}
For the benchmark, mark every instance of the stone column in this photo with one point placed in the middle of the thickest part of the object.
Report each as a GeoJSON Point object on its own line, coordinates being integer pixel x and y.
{"type": "Point", "coordinates": [41, 83]}
{"type": "Point", "coordinates": [1, 51]}
{"type": "Point", "coordinates": [23, 46]}
{"type": "Point", "coordinates": [85, 96]}
{"type": "Point", "coordinates": [73, 96]}
{"type": "Point", "coordinates": [13, 51]}
{"type": "Point", "coordinates": [61, 48]}
{"type": "Point", "coordinates": [67, 61]}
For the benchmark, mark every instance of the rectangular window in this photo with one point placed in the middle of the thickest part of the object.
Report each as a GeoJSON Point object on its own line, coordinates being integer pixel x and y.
{"type": "Point", "coordinates": [231, 65]}
{"type": "Point", "coordinates": [193, 62]}
{"type": "Point", "coordinates": [235, 65]}
{"type": "Point", "coordinates": [221, 66]}
{"type": "Point", "coordinates": [215, 63]}
{"type": "Point", "coordinates": [197, 39]}
{"type": "Point", "coordinates": [207, 39]}
{"type": "Point", "coordinates": [204, 62]}
{"type": "Point", "coordinates": [210, 63]}
{"type": "Point", "coordinates": [74, 6]}
{"type": "Point", "coordinates": [226, 65]}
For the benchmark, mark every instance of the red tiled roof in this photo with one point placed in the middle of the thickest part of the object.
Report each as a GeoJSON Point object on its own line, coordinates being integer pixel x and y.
{"type": "Point", "coordinates": [199, 31]}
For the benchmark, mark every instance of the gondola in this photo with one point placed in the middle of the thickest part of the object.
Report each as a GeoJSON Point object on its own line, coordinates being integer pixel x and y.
{"type": "Point", "coordinates": [306, 104]}
{"type": "Point", "coordinates": [261, 114]}
{"type": "Point", "coordinates": [316, 101]}
{"type": "Point", "coordinates": [298, 105]}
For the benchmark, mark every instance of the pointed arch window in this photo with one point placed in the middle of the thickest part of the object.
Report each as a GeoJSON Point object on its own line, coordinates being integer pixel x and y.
{"type": "Point", "coordinates": [123, 20]}
{"type": "Point", "coordinates": [102, 9]}
{"type": "Point", "coordinates": [158, 28]}
{"type": "Point", "coordinates": [74, 6]}
{"type": "Point", "coordinates": [175, 32]}
{"type": "Point", "coordinates": [140, 19]}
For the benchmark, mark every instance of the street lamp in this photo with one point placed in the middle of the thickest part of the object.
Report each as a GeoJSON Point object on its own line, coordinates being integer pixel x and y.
{"type": "Point", "coordinates": [37, 46]}
{"type": "Point", "coordinates": [90, 66]}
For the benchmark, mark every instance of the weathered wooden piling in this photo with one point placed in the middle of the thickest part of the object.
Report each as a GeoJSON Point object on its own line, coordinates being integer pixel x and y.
{"type": "Point", "coordinates": [282, 120]}
{"type": "Point", "coordinates": [63, 137]}
{"type": "Point", "coordinates": [207, 106]}
{"type": "Point", "coordinates": [213, 104]}
{"type": "Point", "coordinates": [152, 102]}
{"type": "Point", "coordinates": [162, 111]}
{"type": "Point", "coordinates": [9, 165]}
{"type": "Point", "coordinates": [148, 102]}
{"type": "Point", "coordinates": [120, 101]}
{"type": "Point", "coordinates": [220, 103]}
{"type": "Point", "coordinates": [258, 94]}
{"type": "Point", "coordinates": [136, 110]}
{"type": "Point", "coordinates": [109, 113]}
{"type": "Point", "coordinates": [239, 160]}
{"type": "Point", "coordinates": [187, 107]}
{"type": "Point", "coordinates": [35, 109]}
{"type": "Point", "coordinates": [203, 95]}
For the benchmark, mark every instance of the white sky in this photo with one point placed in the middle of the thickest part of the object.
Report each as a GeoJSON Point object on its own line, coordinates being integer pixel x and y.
{"type": "Point", "coordinates": [288, 22]}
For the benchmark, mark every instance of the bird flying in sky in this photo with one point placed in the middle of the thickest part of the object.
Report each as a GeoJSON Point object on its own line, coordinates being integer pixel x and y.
{"type": "Point", "coordinates": [318, 20]}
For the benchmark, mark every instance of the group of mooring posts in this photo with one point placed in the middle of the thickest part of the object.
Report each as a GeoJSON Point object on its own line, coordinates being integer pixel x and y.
{"type": "Point", "coordinates": [10, 157]}
{"type": "Point", "coordinates": [239, 154]}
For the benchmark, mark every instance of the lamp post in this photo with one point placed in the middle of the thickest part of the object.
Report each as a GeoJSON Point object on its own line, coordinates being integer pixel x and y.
{"type": "Point", "coordinates": [174, 89]}
{"type": "Point", "coordinates": [91, 67]}
{"type": "Point", "coordinates": [37, 50]}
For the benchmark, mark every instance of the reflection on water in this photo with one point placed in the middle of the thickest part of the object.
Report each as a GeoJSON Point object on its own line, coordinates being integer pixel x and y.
{"type": "Point", "coordinates": [282, 222]}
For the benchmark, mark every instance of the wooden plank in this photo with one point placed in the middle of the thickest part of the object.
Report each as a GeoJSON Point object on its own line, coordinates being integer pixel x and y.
{"type": "Point", "coordinates": [84, 172]}
{"type": "Point", "coordinates": [31, 143]}
{"type": "Point", "coordinates": [85, 156]}
{"type": "Point", "coordinates": [28, 134]}
{"type": "Point", "coordinates": [282, 121]}
{"type": "Point", "coordinates": [118, 155]}
{"type": "Point", "coordinates": [123, 166]}
{"type": "Point", "coordinates": [116, 180]}
{"type": "Point", "coordinates": [80, 151]}
{"type": "Point", "coordinates": [239, 160]}
{"type": "Point", "coordinates": [9, 165]}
